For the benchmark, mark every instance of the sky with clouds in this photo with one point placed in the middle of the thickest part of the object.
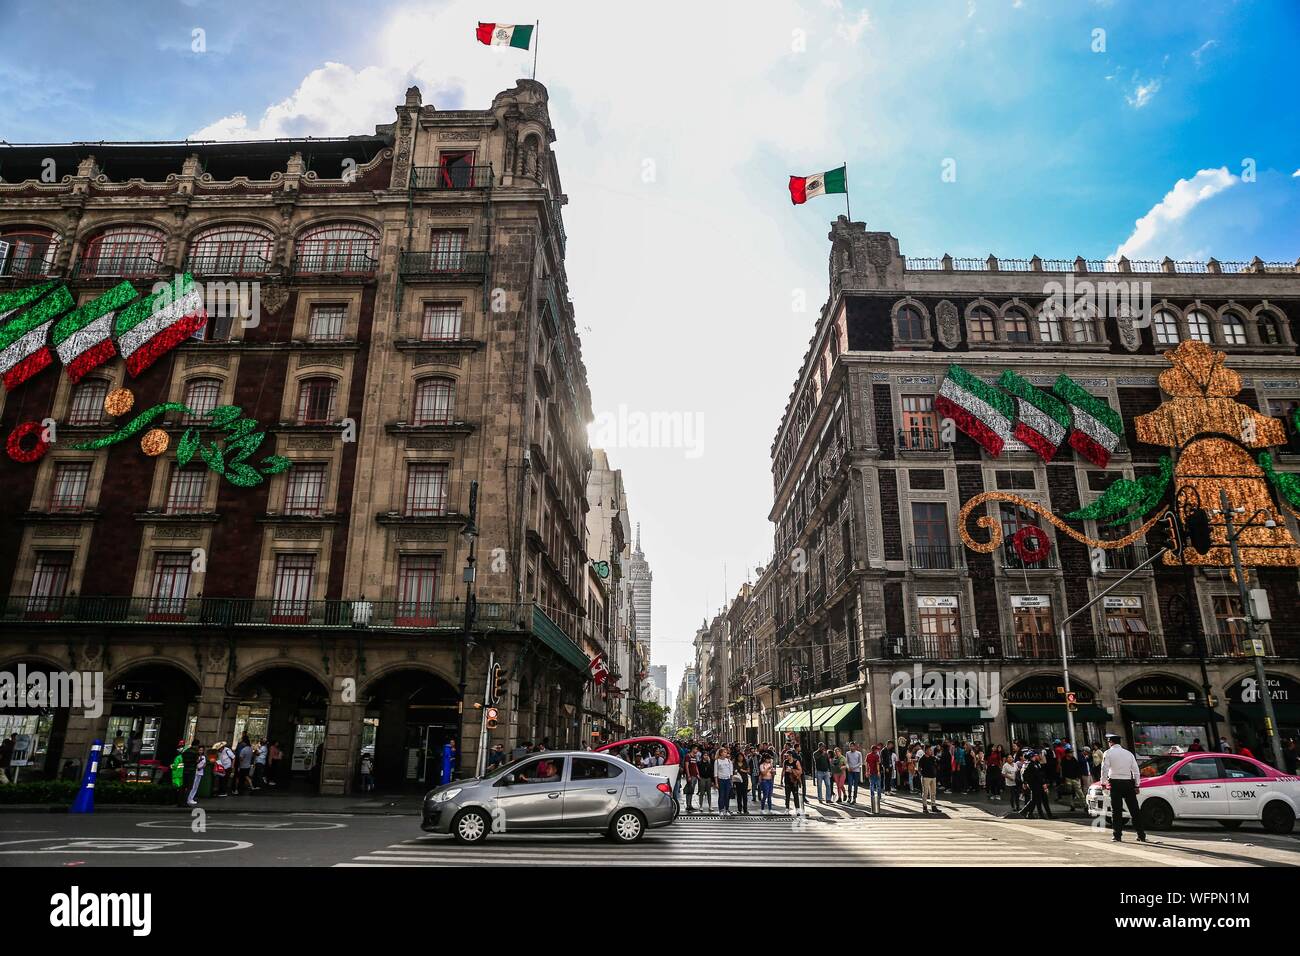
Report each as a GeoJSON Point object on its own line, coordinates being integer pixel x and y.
{"type": "Point", "coordinates": [1090, 128]}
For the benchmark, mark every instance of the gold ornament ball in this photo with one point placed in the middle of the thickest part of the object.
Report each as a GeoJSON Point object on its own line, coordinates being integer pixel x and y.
{"type": "Point", "coordinates": [119, 401]}
{"type": "Point", "coordinates": [154, 442]}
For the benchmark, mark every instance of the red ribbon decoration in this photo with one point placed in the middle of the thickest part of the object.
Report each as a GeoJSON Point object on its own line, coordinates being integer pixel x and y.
{"type": "Point", "coordinates": [14, 445]}
{"type": "Point", "coordinates": [1028, 552]}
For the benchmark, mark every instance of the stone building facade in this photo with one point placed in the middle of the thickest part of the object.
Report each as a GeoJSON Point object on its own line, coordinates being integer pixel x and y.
{"type": "Point", "coordinates": [403, 330]}
{"type": "Point", "coordinates": [873, 583]}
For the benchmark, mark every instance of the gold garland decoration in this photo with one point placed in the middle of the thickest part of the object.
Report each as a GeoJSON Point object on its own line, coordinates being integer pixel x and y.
{"type": "Point", "coordinates": [994, 526]}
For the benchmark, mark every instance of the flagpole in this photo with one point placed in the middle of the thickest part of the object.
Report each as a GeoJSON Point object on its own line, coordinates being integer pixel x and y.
{"type": "Point", "coordinates": [537, 41]}
{"type": "Point", "coordinates": [847, 211]}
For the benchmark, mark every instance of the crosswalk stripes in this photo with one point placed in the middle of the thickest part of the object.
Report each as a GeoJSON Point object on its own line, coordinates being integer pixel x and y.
{"type": "Point", "coordinates": [722, 841]}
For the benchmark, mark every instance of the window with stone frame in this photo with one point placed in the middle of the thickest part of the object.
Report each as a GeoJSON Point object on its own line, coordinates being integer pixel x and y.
{"type": "Point", "coordinates": [912, 326]}
{"type": "Point", "coordinates": [981, 326]}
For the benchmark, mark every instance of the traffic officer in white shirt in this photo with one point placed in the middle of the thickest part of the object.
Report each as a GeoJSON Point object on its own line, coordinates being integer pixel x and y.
{"type": "Point", "coordinates": [1120, 768]}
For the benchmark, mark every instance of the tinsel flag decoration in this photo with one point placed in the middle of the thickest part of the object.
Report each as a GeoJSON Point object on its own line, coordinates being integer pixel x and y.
{"type": "Point", "coordinates": [25, 335]}
{"type": "Point", "coordinates": [1042, 420]}
{"type": "Point", "coordinates": [1097, 427]}
{"type": "Point", "coordinates": [978, 409]}
{"type": "Point", "coordinates": [148, 328]}
{"type": "Point", "coordinates": [84, 337]}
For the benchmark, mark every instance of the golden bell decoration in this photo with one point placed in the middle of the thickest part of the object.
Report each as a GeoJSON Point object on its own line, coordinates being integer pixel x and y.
{"type": "Point", "coordinates": [154, 442]}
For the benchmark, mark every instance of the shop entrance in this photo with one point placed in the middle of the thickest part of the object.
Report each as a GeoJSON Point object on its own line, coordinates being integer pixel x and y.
{"type": "Point", "coordinates": [1246, 708]}
{"type": "Point", "coordinates": [151, 718]}
{"type": "Point", "coordinates": [285, 707]}
{"type": "Point", "coordinates": [410, 717]}
{"type": "Point", "coordinates": [40, 732]}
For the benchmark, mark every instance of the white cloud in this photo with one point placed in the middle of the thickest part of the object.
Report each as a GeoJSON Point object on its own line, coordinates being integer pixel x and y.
{"type": "Point", "coordinates": [1142, 93]}
{"type": "Point", "coordinates": [1201, 50]}
{"type": "Point", "coordinates": [1296, 174]}
{"type": "Point", "coordinates": [1153, 233]}
{"type": "Point", "coordinates": [853, 31]}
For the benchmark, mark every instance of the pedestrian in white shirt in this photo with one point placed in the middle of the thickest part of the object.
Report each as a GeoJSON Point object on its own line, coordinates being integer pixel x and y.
{"type": "Point", "coordinates": [1119, 768]}
{"type": "Point", "coordinates": [722, 771]}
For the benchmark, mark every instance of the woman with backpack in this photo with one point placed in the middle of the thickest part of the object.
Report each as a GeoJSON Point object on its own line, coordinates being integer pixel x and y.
{"type": "Point", "coordinates": [705, 787]}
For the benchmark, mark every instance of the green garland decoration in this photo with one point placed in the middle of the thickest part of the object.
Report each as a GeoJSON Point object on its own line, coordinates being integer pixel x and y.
{"type": "Point", "coordinates": [1287, 484]}
{"type": "Point", "coordinates": [134, 426]}
{"type": "Point", "coordinates": [1127, 500]}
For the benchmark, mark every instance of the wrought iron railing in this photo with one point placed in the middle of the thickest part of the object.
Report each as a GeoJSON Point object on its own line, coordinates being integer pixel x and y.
{"type": "Point", "coordinates": [920, 439]}
{"type": "Point", "coordinates": [930, 647]}
{"type": "Point", "coordinates": [443, 263]}
{"type": "Point", "coordinates": [934, 557]}
{"type": "Point", "coordinates": [353, 257]}
{"type": "Point", "coordinates": [228, 264]}
{"type": "Point", "coordinates": [117, 267]}
{"type": "Point", "coordinates": [451, 177]}
{"type": "Point", "coordinates": [1012, 561]}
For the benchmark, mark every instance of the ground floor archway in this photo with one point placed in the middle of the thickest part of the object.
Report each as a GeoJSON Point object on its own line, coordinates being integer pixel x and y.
{"type": "Point", "coordinates": [152, 711]}
{"type": "Point", "coordinates": [410, 716]}
{"type": "Point", "coordinates": [285, 707]}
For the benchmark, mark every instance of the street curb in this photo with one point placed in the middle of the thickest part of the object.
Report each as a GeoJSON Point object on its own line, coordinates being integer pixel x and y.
{"type": "Point", "coordinates": [207, 806]}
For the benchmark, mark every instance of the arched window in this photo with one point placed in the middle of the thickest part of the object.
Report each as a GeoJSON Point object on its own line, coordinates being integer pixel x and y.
{"type": "Point", "coordinates": [1049, 326]}
{"type": "Point", "coordinates": [231, 250]}
{"type": "Point", "coordinates": [434, 402]}
{"type": "Point", "coordinates": [980, 326]}
{"type": "Point", "coordinates": [125, 251]}
{"type": "Point", "coordinates": [1270, 332]}
{"type": "Point", "coordinates": [340, 248]}
{"type": "Point", "coordinates": [27, 251]}
{"type": "Point", "coordinates": [201, 395]}
{"type": "Point", "coordinates": [1234, 331]}
{"type": "Point", "coordinates": [1083, 329]}
{"type": "Point", "coordinates": [1198, 326]}
{"type": "Point", "coordinates": [911, 325]}
{"type": "Point", "coordinates": [316, 401]}
{"type": "Point", "coordinates": [1165, 324]}
{"type": "Point", "coordinates": [87, 406]}
{"type": "Point", "coordinates": [1016, 325]}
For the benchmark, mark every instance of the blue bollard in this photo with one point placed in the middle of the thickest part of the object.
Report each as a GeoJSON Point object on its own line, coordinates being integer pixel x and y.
{"type": "Point", "coordinates": [85, 802]}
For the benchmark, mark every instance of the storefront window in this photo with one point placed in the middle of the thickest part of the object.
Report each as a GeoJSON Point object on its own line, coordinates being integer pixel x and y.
{"type": "Point", "coordinates": [1156, 740]}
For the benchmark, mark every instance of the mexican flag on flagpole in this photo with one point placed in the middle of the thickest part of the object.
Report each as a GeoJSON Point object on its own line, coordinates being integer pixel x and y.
{"type": "Point", "coordinates": [84, 337]}
{"type": "Point", "coordinates": [25, 339]}
{"type": "Point", "coordinates": [1041, 418]}
{"type": "Point", "coordinates": [1097, 427]}
{"type": "Point", "coordinates": [978, 409]}
{"type": "Point", "coordinates": [147, 329]}
{"type": "Point", "coordinates": [803, 188]}
{"type": "Point", "coordinates": [517, 35]}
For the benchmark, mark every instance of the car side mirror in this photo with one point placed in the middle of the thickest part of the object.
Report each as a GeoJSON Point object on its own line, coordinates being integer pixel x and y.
{"type": "Point", "coordinates": [506, 781]}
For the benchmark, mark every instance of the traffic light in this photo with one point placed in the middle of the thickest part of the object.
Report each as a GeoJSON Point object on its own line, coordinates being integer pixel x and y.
{"type": "Point", "coordinates": [1072, 702]}
{"type": "Point", "coordinates": [496, 684]}
{"type": "Point", "coordinates": [1196, 530]}
{"type": "Point", "coordinates": [1167, 534]}
{"type": "Point", "coordinates": [491, 715]}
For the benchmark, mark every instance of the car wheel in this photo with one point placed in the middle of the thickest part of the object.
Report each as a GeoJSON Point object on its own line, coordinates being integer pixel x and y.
{"type": "Point", "coordinates": [470, 826]}
{"type": "Point", "coordinates": [628, 826]}
{"type": "Point", "coordinates": [1157, 815]}
{"type": "Point", "coordinates": [1229, 824]}
{"type": "Point", "coordinates": [1278, 818]}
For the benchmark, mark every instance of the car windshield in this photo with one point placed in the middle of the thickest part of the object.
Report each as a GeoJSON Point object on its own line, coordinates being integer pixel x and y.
{"type": "Point", "coordinates": [1158, 766]}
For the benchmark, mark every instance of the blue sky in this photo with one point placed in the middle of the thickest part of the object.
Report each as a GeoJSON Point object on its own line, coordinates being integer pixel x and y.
{"type": "Point", "coordinates": [677, 126]}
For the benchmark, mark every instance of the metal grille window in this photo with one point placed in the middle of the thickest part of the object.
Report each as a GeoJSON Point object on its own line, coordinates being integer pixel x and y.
{"type": "Point", "coordinates": [980, 327]}
{"type": "Point", "coordinates": [305, 489]}
{"type": "Point", "coordinates": [1166, 328]}
{"type": "Point", "coordinates": [337, 249]}
{"type": "Point", "coordinates": [448, 248]}
{"type": "Point", "coordinates": [441, 322]}
{"type": "Point", "coordinates": [1234, 333]}
{"type": "Point", "coordinates": [1198, 327]}
{"type": "Point", "coordinates": [125, 251]}
{"type": "Point", "coordinates": [171, 583]}
{"type": "Point", "coordinates": [201, 396]}
{"type": "Point", "coordinates": [426, 489]}
{"type": "Point", "coordinates": [70, 481]}
{"type": "Point", "coordinates": [417, 584]}
{"type": "Point", "coordinates": [316, 401]}
{"type": "Point", "coordinates": [26, 252]}
{"type": "Point", "coordinates": [434, 402]}
{"type": "Point", "coordinates": [232, 250]}
{"type": "Point", "coordinates": [50, 581]}
{"type": "Point", "coordinates": [292, 588]}
{"type": "Point", "coordinates": [88, 402]}
{"type": "Point", "coordinates": [186, 491]}
{"type": "Point", "coordinates": [327, 322]}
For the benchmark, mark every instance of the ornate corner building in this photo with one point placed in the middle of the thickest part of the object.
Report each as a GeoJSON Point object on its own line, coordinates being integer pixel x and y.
{"type": "Point", "coordinates": [389, 315]}
{"type": "Point", "coordinates": [874, 588]}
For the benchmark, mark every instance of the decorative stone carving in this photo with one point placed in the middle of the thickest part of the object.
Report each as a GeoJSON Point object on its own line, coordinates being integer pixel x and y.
{"type": "Point", "coordinates": [310, 443]}
{"type": "Point", "coordinates": [221, 359]}
{"type": "Point", "coordinates": [457, 135]}
{"type": "Point", "coordinates": [274, 297]}
{"type": "Point", "coordinates": [175, 531]}
{"type": "Point", "coordinates": [949, 323]}
{"type": "Point", "coordinates": [216, 653]}
{"type": "Point", "coordinates": [333, 359]}
{"type": "Point", "coordinates": [428, 444]}
{"type": "Point", "coordinates": [297, 533]}
{"type": "Point", "coordinates": [435, 358]}
{"type": "Point", "coordinates": [421, 534]}
{"type": "Point", "coordinates": [57, 531]}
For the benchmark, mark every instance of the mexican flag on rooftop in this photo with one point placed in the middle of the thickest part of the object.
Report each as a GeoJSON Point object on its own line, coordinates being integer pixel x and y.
{"type": "Point", "coordinates": [803, 188]}
{"type": "Point", "coordinates": [517, 35]}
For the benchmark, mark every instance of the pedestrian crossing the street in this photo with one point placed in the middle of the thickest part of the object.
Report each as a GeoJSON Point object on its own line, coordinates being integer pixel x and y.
{"type": "Point", "coordinates": [780, 840]}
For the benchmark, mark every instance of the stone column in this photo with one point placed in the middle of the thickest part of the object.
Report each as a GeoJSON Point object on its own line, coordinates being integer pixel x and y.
{"type": "Point", "coordinates": [342, 735]}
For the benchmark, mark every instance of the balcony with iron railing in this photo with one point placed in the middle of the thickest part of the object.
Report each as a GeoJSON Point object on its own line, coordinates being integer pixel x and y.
{"type": "Point", "coordinates": [424, 178]}
{"type": "Point", "coordinates": [442, 264]}
{"type": "Point", "coordinates": [228, 264]}
{"type": "Point", "coordinates": [930, 647]}
{"type": "Point", "coordinates": [935, 557]}
{"type": "Point", "coordinates": [1127, 558]}
{"type": "Point", "coordinates": [347, 257]}
{"type": "Point", "coordinates": [921, 440]}
{"type": "Point", "coordinates": [109, 266]}
{"type": "Point", "coordinates": [1230, 642]}
{"type": "Point", "coordinates": [38, 265]}
{"type": "Point", "coordinates": [1012, 561]}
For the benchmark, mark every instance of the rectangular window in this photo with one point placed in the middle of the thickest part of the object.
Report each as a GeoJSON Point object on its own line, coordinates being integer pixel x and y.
{"type": "Point", "coordinates": [1031, 616]}
{"type": "Point", "coordinates": [1230, 625]}
{"type": "Point", "coordinates": [292, 588]}
{"type": "Point", "coordinates": [1016, 480]}
{"type": "Point", "coordinates": [326, 324]}
{"type": "Point", "coordinates": [70, 481]}
{"type": "Point", "coordinates": [448, 248]}
{"type": "Point", "coordinates": [426, 489]}
{"type": "Point", "coordinates": [316, 402]}
{"type": "Point", "coordinates": [186, 490]}
{"type": "Point", "coordinates": [49, 583]}
{"type": "Point", "coordinates": [920, 430]}
{"type": "Point", "coordinates": [441, 322]}
{"type": "Point", "coordinates": [305, 489]}
{"type": "Point", "coordinates": [1126, 633]}
{"type": "Point", "coordinates": [88, 403]}
{"type": "Point", "coordinates": [171, 586]}
{"type": "Point", "coordinates": [930, 534]}
{"type": "Point", "coordinates": [417, 586]}
{"type": "Point", "coordinates": [456, 169]}
{"type": "Point", "coordinates": [939, 620]}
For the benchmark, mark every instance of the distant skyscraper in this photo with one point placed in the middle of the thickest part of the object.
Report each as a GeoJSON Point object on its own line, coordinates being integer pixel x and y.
{"type": "Point", "coordinates": [641, 577]}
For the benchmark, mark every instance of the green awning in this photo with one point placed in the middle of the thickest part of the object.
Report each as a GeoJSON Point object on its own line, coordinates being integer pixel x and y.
{"type": "Point", "coordinates": [784, 722]}
{"type": "Point", "coordinates": [1285, 713]}
{"type": "Point", "coordinates": [912, 716]}
{"type": "Point", "coordinates": [799, 719]}
{"type": "Point", "coordinates": [1190, 714]}
{"type": "Point", "coordinates": [1055, 713]}
{"type": "Point", "coordinates": [550, 634]}
{"type": "Point", "coordinates": [845, 717]}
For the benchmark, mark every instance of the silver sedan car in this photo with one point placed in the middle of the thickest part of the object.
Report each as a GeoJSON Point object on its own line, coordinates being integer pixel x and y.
{"type": "Point", "coordinates": [557, 790]}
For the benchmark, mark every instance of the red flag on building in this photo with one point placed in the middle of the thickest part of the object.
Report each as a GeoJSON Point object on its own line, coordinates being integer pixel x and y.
{"type": "Point", "coordinates": [598, 669]}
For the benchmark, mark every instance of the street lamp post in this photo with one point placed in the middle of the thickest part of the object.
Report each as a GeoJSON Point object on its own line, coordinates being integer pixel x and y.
{"type": "Point", "coordinates": [1252, 627]}
{"type": "Point", "coordinates": [470, 531]}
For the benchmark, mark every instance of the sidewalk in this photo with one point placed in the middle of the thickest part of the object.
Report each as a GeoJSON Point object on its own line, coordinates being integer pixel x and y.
{"type": "Point", "coordinates": [373, 804]}
{"type": "Point", "coordinates": [979, 800]}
